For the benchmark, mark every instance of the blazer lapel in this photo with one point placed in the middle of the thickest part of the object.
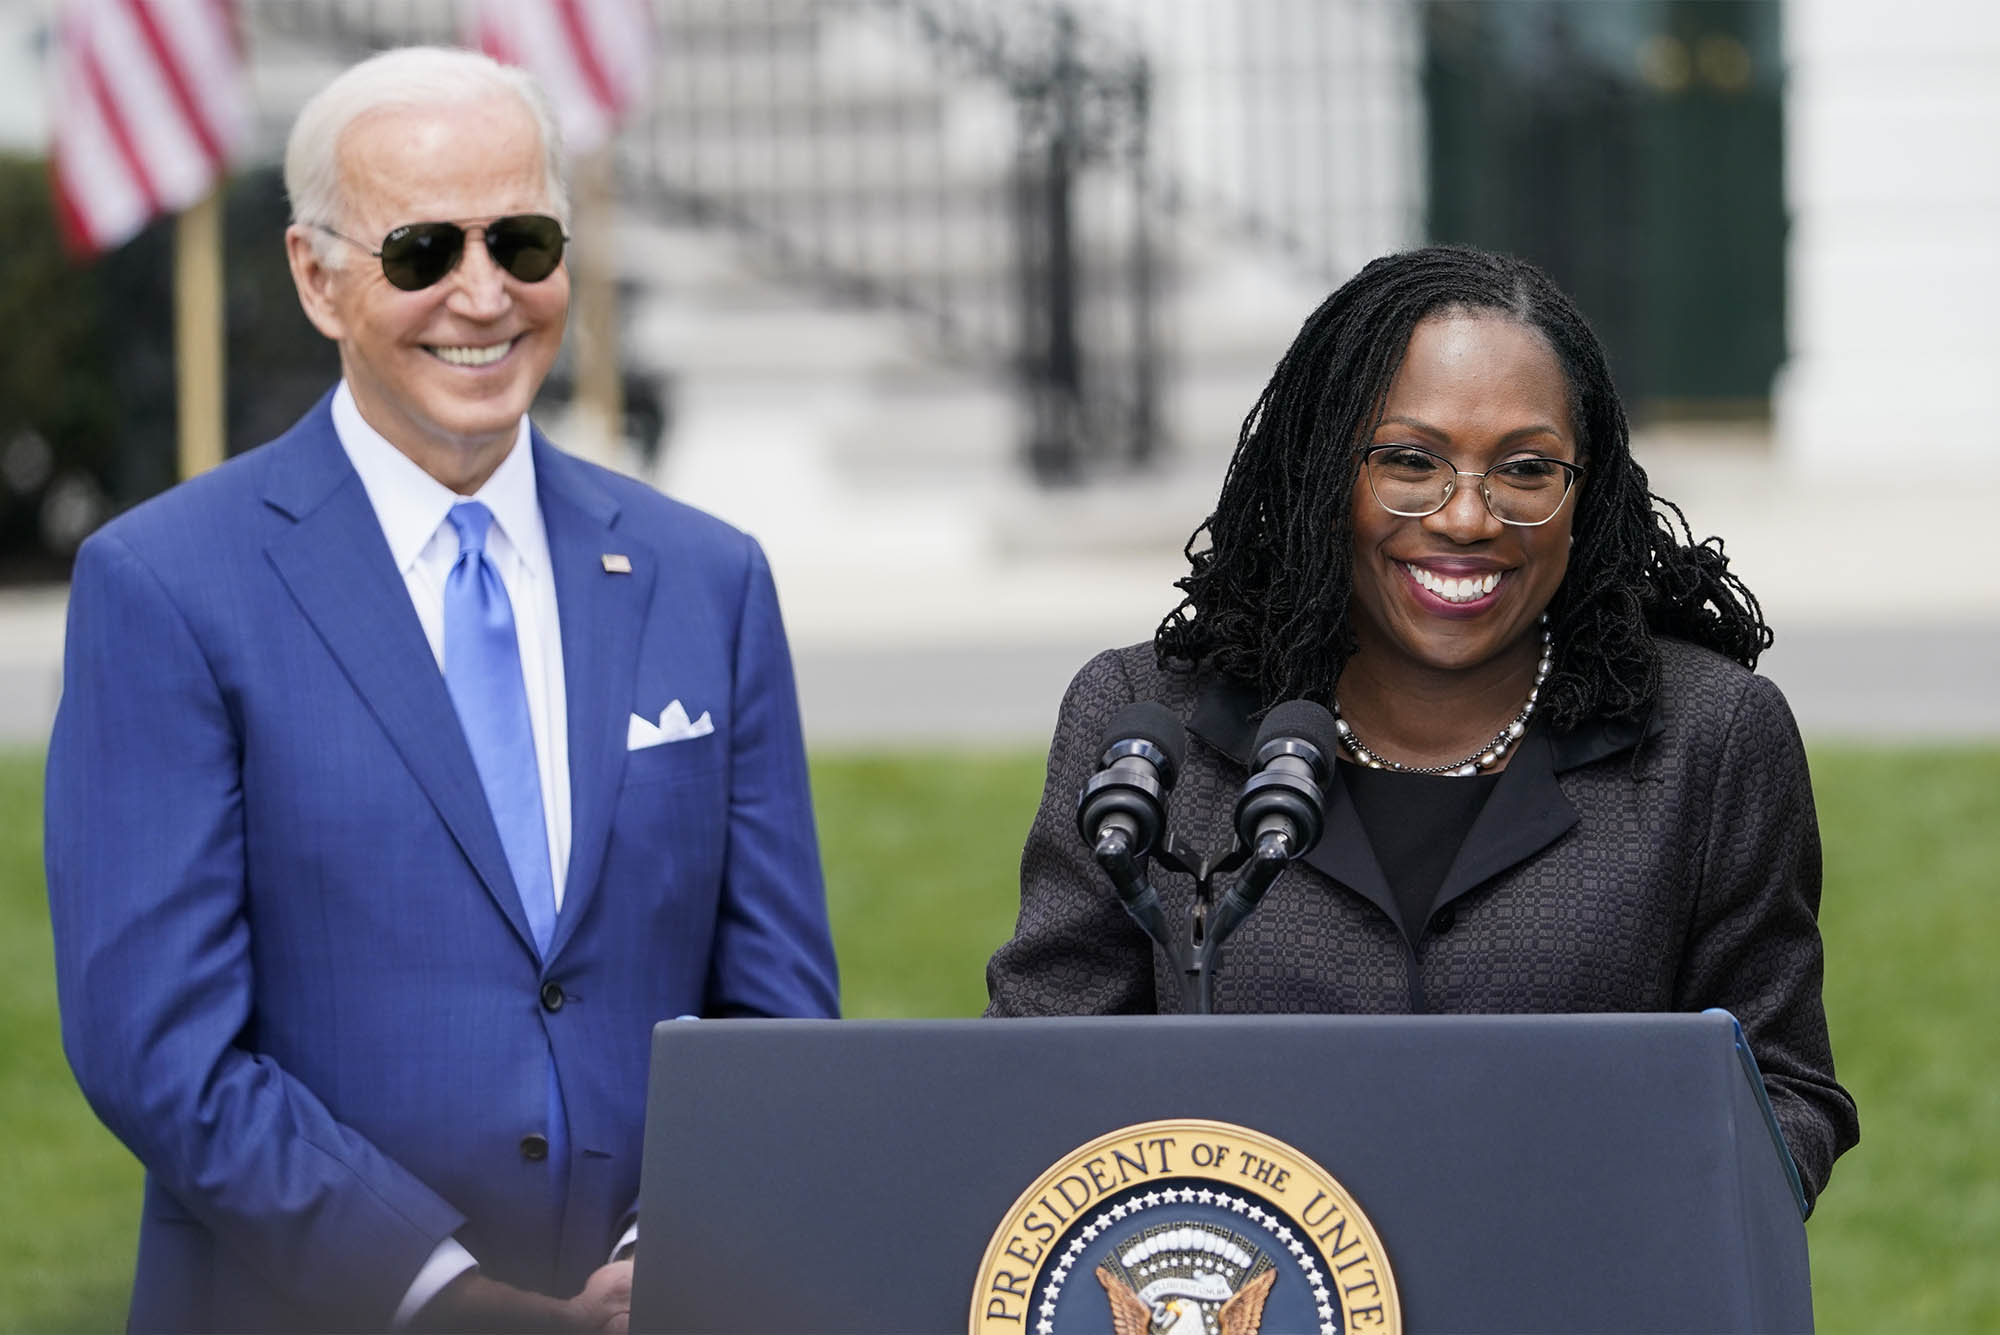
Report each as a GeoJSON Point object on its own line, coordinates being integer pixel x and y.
{"type": "Point", "coordinates": [1528, 810]}
{"type": "Point", "coordinates": [1526, 813]}
{"type": "Point", "coordinates": [1221, 718]}
{"type": "Point", "coordinates": [337, 565]}
{"type": "Point", "coordinates": [1344, 854]}
{"type": "Point", "coordinates": [603, 616]}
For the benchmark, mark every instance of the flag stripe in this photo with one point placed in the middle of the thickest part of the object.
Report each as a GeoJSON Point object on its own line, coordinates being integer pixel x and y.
{"type": "Point", "coordinates": [98, 213]}
{"type": "Point", "coordinates": [193, 114]}
{"type": "Point", "coordinates": [537, 29]}
{"type": "Point", "coordinates": [221, 22]}
{"type": "Point", "coordinates": [145, 103]}
{"type": "Point", "coordinates": [585, 54]}
{"type": "Point", "coordinates": [623, 37]}
{"type": "Point", "coordinates": [591, 56]}
{"type": "Point", "coordinates": [76, 232]}
{"type": "Point", "coordinates": [203, 36]}
{"type": "Point", "coordinates": [96, 191]}
{"type": "Point", "coordinates": [112, 117]}
{"type": "Point", "coordinates": [148, 105]}
{"type": "Point", "coordinates": [494, 40]}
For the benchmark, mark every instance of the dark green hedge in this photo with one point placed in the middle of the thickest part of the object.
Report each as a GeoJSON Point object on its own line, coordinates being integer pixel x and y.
{"type": "Point", "coordinates": [88, 363]}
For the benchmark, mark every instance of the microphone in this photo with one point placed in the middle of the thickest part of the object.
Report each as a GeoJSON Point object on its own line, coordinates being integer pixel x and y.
{"type": "Point", "coordinates": [1123, 808]}
{"type": "Point", "coordinates": [1283, 807]}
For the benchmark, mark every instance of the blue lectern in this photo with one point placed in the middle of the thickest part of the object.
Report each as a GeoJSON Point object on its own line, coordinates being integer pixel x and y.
{"type": "Point", "coordinates": [1524, 1173]}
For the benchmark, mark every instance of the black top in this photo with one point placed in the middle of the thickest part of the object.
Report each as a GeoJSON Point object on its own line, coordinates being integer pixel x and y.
{"type": "Point", "coordinates": [1415, 823]}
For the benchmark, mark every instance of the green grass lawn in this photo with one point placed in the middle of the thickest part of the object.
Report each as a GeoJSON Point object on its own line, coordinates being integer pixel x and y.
{"type": "Point", "coordinates": [1908, 1233]}
{"type": "Point", "coordinates": [920, 856]}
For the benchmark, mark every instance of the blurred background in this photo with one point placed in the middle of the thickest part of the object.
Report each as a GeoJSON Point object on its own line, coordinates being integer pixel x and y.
{"type": "Point", "coordinates": [958, 305]}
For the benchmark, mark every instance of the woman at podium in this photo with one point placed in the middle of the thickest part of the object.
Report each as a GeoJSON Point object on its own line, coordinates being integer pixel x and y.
{"type": "Point", "coordinates": [1559, 785]}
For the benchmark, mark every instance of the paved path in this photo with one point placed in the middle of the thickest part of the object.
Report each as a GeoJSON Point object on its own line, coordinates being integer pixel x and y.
{"type": "Point", "coordinates": [31, 627]}
{"type": "Point", "coordinates": [1887, 613]}
{"type": "Point", "coordinates": [987, 681]}
{"type": "Point", "coordinates": [1860, 683]}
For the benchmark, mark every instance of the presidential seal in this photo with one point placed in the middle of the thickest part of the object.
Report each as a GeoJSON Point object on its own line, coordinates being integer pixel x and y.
{"type": "Point", "coordinates": [1185, 1228]}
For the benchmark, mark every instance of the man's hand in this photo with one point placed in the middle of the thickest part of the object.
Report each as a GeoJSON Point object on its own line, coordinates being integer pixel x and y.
{"type": "Point", "coordinates": [473, 1303]}
{"type": "Point", "coordinates": [606, 1300]}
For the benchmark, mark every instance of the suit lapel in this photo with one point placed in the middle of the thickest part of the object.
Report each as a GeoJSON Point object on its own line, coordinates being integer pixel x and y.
{"type": "Point", "coordinates": [603, 616]}
{"type": "Point", "coordinates": [337, 565]}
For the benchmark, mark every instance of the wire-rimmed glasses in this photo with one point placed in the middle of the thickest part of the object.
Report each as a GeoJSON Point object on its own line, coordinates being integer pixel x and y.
{"type": "Point", "coordinates": [1411, 481]}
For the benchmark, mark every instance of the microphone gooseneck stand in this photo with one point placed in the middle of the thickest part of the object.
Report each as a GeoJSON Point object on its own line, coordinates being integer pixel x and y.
{"type": "Point", "coordinates": [1197, 953]}
{"type": "Point", "coordinates": [1278, 818]}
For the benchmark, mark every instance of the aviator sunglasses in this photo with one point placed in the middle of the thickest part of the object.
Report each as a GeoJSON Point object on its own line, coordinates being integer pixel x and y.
{"type": "Point", "coordinates": [528, 246]}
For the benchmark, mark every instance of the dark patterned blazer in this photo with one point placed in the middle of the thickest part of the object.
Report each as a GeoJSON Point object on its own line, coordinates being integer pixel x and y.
{"type": "Point", "coordinates": [1615, 868]}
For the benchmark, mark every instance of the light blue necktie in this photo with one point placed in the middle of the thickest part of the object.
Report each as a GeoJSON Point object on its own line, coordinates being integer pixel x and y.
{"type": "Point", "coordinates": [482, 670]}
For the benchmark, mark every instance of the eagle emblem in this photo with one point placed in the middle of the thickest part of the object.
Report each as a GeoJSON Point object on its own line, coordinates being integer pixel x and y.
{"type": "Point", "coordinates": [1187, 1278]}
{"type": "Point", "coordinates": [1190, 1227]}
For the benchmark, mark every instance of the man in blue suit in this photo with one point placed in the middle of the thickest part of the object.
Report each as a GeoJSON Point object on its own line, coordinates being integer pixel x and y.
{"type": "Point", "coordinates": [407, 772]}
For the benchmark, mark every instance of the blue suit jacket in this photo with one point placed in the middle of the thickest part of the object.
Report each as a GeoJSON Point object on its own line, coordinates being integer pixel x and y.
{"type": "Point", "coordinates": [294, 972]}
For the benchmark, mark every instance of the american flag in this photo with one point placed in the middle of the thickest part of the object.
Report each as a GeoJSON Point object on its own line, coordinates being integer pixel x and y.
{"type": "Point", "coordinates": [149, 104]}
{"type": "Point", "coordinates": [594, 57]}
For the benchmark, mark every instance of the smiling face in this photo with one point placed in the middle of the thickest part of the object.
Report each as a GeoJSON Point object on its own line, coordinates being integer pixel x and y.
{"type": "Point", "coordinates": [445, 373]}
{"type": "Point", "coordinates": [1459, 590]}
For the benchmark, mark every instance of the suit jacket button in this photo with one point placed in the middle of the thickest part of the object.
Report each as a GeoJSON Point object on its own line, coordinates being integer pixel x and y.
{"type": "Point", "coordinates": [534, 1147]}
{"type": "Point", "coordinates": [1443, 921]}
{"type": "Point", "coordinates": [552, 996]}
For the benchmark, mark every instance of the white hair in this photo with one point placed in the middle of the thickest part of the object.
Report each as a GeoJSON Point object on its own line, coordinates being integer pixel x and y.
{"type": "Point", "coordinates": [407, 78]}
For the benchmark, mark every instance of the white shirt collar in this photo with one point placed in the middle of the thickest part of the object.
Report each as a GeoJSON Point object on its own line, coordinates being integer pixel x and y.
{"type": "Point", "coordinates": [411, 504]}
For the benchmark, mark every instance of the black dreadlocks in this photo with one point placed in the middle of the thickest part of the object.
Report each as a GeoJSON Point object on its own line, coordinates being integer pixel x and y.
{"type": "Point", "coordinates": [1266, 600]}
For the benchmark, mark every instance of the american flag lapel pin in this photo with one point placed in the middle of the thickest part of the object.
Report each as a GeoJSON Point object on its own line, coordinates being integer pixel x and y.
{"type": "Point", "coordinates": [617, 563]}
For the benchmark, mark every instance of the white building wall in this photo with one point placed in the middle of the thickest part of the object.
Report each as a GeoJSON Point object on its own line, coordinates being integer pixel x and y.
{"type": "Point", "coordinates": [1303, 115]}
{"type": "Point", "coordinates": [23, 118]}
{"type": "Point", "coordinates": [1892, 157]}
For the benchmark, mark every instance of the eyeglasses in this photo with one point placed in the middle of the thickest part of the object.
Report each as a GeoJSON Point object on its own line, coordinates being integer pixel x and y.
{"type": "Point", "coordinates": [1414, 482]}
{"type": "Point", "coordinates": [414, 256]}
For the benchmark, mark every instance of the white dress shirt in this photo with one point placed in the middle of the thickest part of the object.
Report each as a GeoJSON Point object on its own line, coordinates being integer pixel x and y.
{"type": "Point", "coordinates": [412, 507]}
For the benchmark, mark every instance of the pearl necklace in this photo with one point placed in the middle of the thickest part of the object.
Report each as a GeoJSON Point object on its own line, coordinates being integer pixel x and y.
{"type": "Point", "coordinates": [1485, 758]}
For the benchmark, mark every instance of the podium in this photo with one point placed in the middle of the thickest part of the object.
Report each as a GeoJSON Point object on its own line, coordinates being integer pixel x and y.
{"type": "Point", "coordinates": [1523, 1173]}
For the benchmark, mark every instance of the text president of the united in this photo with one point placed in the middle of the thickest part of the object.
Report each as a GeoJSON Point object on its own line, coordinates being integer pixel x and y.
{"type": "Point", "coordinates": [407, 771]}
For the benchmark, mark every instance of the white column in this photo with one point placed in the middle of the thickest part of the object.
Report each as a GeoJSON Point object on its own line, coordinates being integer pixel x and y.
{"type": "Point", "coordinates": [1892, 176]}
{"type": "Point", "coordinates": [1304, 114]}
{"type": "Point", "coordinates": [23, 119]}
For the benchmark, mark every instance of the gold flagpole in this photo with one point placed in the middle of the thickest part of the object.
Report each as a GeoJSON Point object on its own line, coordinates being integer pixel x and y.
{"type": "Point", "coordinates": [198, 345]}
{"type": "Point", "coordinates": [600, 388]}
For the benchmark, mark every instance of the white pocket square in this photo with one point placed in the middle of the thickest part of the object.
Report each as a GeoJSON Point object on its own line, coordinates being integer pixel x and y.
{"type": "Point", "coordinates": [673, 726]}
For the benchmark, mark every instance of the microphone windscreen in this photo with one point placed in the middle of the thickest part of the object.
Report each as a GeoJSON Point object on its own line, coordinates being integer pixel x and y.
{"type": "Point", "coordinates": [1148, 720]}
{"type": "Point", "coordinates": [1302, 719]}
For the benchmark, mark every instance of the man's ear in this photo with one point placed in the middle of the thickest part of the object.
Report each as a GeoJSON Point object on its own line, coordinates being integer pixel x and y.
{"type": "Point", "coordinates": [314, 278]}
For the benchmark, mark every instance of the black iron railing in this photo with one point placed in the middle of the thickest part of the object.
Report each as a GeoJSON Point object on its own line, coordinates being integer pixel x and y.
{"type": "Point", "coordinates": [982, 167]}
